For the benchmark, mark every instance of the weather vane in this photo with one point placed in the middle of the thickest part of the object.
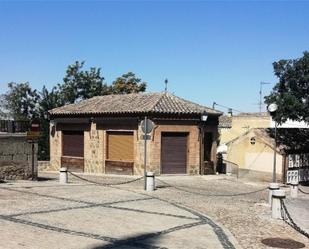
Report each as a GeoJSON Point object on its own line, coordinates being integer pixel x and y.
{"type": "Point", "coordinates": [166, 81]}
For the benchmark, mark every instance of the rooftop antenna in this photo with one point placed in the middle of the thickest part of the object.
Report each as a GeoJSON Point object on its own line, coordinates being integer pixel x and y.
{"type": "Point", "coordinates": [261, 95]}
{"type": "Point", "coordinates": [165, 81]}
{"type": "Point", "coordinates": [213, 105]}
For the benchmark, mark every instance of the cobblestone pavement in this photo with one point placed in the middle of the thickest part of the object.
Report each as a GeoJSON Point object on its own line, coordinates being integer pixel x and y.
{"type": "Point", "coordinates": [247, 217]}
{"type": "Point", "coordinates": [184, 212]}
{"type": "Point", "coordinates": [81, 215]}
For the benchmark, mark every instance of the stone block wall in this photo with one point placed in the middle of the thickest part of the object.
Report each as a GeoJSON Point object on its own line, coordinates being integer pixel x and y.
{"type": "Point", "coordinates": [154, 148]}
{"type": "Point", "coordinates": [16, 157]}
{"type": "Point", "coordinates": [95, 148]}
{"type": "Point", "coordinates": [55, 148]}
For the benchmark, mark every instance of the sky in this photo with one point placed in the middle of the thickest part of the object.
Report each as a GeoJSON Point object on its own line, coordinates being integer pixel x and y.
{"type": "Point", "coordinates": [210, 51]}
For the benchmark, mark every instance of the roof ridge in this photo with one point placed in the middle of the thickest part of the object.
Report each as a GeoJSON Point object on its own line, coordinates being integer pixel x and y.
{"type": "Point", "coordinates": [161, 94]}
{"type": "Point", "coordinates": [145, 102]}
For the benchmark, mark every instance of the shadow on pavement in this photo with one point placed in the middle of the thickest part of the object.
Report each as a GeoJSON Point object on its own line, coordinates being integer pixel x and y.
{"type": "Point", "coordinates": [132, 242]}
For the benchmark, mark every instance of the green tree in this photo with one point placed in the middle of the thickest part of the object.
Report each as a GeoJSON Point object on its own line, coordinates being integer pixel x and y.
{"type": "Point", "coordinates": [291, 93]}
{"type": "Point", "coordinates": [48, 100]}
{"type": "Point", "coordinates": [21, 101]}
{"type": "Point", "coordinates": [3, 105]}
{"type": "Point", "coordinates": [81, 84]}
{"type": "Point", "coordinates": [128, 83]}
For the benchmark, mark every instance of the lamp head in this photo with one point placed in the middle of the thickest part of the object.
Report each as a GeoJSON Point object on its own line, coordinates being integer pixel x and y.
{"type": "Point", "coordinates": [272, 107]}
{"type": "Point", "coordinates": [204, 117]}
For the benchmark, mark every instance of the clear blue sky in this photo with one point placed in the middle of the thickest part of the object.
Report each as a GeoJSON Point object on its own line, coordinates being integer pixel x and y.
{"type": "Point", "coordinates": [209, 51]}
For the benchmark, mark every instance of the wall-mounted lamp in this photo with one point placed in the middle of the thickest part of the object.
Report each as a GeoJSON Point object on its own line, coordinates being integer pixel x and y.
{"type": "Point", "coordinates": [204, 117]}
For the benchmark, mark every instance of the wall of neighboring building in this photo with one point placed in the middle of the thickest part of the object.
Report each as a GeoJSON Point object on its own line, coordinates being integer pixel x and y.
{"type": "Point", "coordinates": [242, 123]}
{"type": "Point", "coordinates": [16, 157]}
{"type": "Point", "coordinates": [254, 160]}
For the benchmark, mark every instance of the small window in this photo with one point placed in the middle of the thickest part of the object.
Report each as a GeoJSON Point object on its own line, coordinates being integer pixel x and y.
{"type": "Point", "coordinates": [252, 140]}
{"type": "Point", "coordinates": [120, 146]}
{"type": "Point", "coordinates": [73, 143]}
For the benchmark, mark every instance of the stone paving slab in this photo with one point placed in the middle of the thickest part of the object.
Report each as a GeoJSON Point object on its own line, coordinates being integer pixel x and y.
{"type": "Point", "coordinates": [15, 236]}
{"type": "Point", "coordinates": [109, 222]}
{"type": "Point", "coordinates": [206, 239]}
{"type": "Point", "coordinates": [39, 215]}
{"type": "Point", "coordinates": [13, 202]}
{"type": "Point", "coordinates": [156, 206]}
{"type": "Point", "coordinates": [299, 211]}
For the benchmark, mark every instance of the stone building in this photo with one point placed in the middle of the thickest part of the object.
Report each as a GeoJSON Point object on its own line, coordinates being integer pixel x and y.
{"type": "Point", "coordinates": [103, 135]}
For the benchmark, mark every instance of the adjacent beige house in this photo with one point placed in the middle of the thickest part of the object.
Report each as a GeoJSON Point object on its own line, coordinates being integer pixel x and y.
{"type": "Point", "coordinates": [232, 126]}
{"type": "Point", "coordinates": [253, 153]}
{"type": "Point", "coordinates": [103, 135]}
{"type": "Point", "coordinates": [247, 145]}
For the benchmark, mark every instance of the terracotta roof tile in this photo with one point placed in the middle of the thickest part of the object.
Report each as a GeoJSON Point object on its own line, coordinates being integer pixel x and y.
{"type": "Point", "coordinates": [225, 121]}
{"type": "Point", "coordinates": [134, 103]}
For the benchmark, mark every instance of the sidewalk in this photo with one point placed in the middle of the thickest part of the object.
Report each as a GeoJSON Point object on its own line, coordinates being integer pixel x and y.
{"type": "Point", "coordinates": [299, 208]}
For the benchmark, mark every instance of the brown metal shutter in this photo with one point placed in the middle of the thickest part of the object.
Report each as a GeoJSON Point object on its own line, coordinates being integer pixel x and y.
{"type": "Point", "coordinates": [120, 146]}
{"type": "Point", "coordinates": [73, 143]}
{"type": "Point", "coordinates": [174, 153]}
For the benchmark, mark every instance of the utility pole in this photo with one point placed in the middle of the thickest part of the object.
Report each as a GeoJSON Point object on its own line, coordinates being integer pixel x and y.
{"type": "Point", "coordinates": [261, 95]}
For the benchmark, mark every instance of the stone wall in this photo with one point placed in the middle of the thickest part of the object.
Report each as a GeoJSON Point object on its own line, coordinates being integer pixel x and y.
{"type": "Point", "coordinates": [43, 165]}
{"type": "Point", "coordinates": [95, 146]}
{"type": "Point", "coordinates": [16, 157]}
{"type": "Point", "coordinates": [55, 148]}
{"type": "Point", "coordinates": [93, 150]}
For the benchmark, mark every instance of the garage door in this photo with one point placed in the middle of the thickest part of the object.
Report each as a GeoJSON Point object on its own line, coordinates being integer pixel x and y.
{"type": "Point", "coordinates": [174, 153]}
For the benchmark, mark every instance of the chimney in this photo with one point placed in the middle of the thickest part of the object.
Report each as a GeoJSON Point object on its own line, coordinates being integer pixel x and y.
{"type": "Point", "coordinates": [230, 112]}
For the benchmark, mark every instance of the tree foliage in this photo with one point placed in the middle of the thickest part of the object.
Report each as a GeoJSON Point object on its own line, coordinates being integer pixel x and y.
{"type": "Point", "coordinates": [291, 93]}
{"type": "Point", "coordinates": [21, 102]}
{"type": "Point", "coordinates": [128, 83]}
{"type": "Point", "coordinates": [81, 84]}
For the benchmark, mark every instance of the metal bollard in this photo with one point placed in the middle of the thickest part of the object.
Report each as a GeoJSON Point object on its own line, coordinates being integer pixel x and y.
{"type": "Point", "coordinates": [272, 186]}
{"type": "Point", "coordinates": [150, 181]}
{"type": "Point", "coordinates": [63, 176]}
{"type": "Point", "coordinates": [294, 189]}
{"type": "Point", "coordinates": [276, 211]}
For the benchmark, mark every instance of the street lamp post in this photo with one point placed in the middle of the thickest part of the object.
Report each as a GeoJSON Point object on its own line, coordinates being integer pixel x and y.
{"type": "Point", "coordinates": [272, 108]}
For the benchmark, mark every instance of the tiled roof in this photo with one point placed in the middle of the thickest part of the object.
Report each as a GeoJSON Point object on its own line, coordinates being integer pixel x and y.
{"type": "Point", "coordinates": [225, 121]}
{"type": "Point", "coordinates": [253, 114]}
{"type": "Point", "coordinates": [135, 103]}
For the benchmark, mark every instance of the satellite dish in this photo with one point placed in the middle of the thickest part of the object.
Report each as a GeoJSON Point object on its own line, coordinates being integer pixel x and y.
{"type": "Point", "coordinates": [272, 107]}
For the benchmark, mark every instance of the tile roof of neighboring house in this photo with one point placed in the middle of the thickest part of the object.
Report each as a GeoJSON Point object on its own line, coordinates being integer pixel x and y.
{"type": "Point", "coordinates": [225, 121]}
{"type": "Point", "coordinates": [253, 114]}
{"type": "Point", "coordinates": [134, 103]}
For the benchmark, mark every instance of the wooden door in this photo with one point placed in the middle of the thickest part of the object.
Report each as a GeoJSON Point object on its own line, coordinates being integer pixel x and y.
{"type": "Point", "coordinates": [174, 153]}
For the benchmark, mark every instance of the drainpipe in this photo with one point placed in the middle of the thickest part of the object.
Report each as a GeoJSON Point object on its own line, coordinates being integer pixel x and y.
{"type": "Point", "coordinates": [201, 140]}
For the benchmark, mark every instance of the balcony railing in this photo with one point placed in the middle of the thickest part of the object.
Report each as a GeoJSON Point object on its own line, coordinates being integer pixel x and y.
{"type": "Point", "coordinates": [12, 126]}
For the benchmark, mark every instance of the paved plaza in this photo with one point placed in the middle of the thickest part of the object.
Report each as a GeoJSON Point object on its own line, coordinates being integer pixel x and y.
{"type": "Point", "coordinates": [184, 212]}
